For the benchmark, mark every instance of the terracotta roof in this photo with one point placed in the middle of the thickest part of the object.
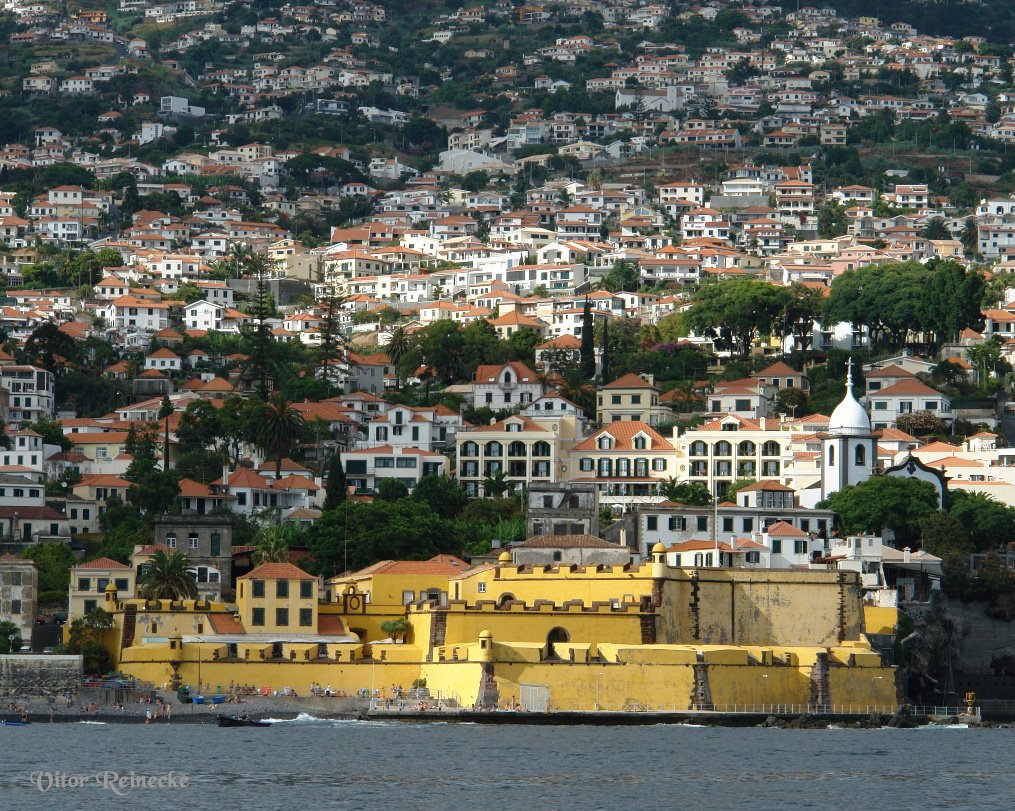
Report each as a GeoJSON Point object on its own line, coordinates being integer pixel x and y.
{"type": "Point", "coordinates": [277, 571]}
{"type": "Point", "coordinates": [438, 564]}
{"type": "Point", "coordinates": [766, 485]}
{"type": "Point", "coordinates": [629, 381]}
{"type": "Point", "coordinates": [782, 529]}
{"type": "Point", "coordinates": [225, 624]}
{"type": "Point", "coordinates": [102, 563]}
{"type": "Point", "coordinates": [889, 371]}
{"type": "Point", "coordinates": [331, 625]}
{"type": "Point", "coordinates": [906, 387]}
{"type": "Point", "coordinates": [623, 433]}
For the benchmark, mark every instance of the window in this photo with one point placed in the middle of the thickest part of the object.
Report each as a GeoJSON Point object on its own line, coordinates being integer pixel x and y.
{"type": "Point", "coordinates": [742, 405]}
{"type": "Point", "coordinates": [281, 588]}
{"type": "Point", "coordinates": [727, 524]}
{"type": "Point", "coordinates": [659, 464]}
{"type": "Point", "coordinates": [84, 583]}
{"type": "Point", "coordinates": [15, 607]}
{"type": "Point", "coordinates": [753, 557]}
{"type": "Point", "coordinates": [652, 523]}
{"type": "Point", "coordinates": [831, 456]}
{"type": "Point", "coordinates": [192, 541]}
{"type": "Point", "coordinates": [586, 464]}
{"type": "Point", "coordinates": [770, 448]}
{"type": "Point", "coordinates": [409, 595]}
{"type": "Point", "coordinates": [800, 547]}
{"type": "Point", "coordinates": [615, 399]}
{"type": "Point", "coordinates": [861, 456]}
{"type": "Point", "coordinates": [605, 468]}
{"type": "Point", "coordinates": [702, 523]}
{"type": "Point", "coordinates": [121, 584]}
{"type": "Point", "coordinates": [748, 525]}
{"type": "Point", "coordinates": [698, 448]}
{"type": "Point", "coordinates": [604, 443]}
{"type": "Point", "coordinates": [216, 544]}
{"type": "Point", "coordinates": [639, 443]}
{"type": "Point", "coordinates": [384, 461]}
{"type": "Point", "coordinates": [257, 588]}
{"type": "Point", "coordinates": [677, 523]}
{"type": "Point", "coordinates": [306, 589]}
{"type": "Point", "coordinates": [281, 616]}
{"type": "Point", "coordinates": [777, 547]}
{"type": "Point", "coordinates": [470, 449]}
{"type": "Point", "coordinates": [406, 462]}
{"type": "Point", "coordinates": [257, 616]}
{"type": "Point", "coordinates": [482, 588]}
{"type": "Point", "coordinates": [746, 448]}
{"type": "Point", "coordinates": [171, 541]}
{"type": "Point", "coordinates": [306, 617]}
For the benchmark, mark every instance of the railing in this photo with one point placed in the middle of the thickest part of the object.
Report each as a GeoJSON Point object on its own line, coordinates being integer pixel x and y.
{"type": "Point", "coordinates": [117, 684]}
{"type": "Point", "coordinates": [826, 709]}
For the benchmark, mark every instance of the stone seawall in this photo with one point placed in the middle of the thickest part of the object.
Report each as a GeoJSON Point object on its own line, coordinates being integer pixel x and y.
{"type": "Point", "coordinates": [39, 675]}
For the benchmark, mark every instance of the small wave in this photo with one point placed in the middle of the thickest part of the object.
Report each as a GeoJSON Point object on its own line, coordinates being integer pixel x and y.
{"type": "Point", "coordinates": [945, 726]}
{"type": "Point", "coordinates": [93, 723]}
{"type": "Point", "coordinates": [302, 718]}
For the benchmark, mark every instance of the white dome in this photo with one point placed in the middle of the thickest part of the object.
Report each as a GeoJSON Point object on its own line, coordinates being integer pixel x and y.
{"type": "Point", "coordinates": [849, 418]}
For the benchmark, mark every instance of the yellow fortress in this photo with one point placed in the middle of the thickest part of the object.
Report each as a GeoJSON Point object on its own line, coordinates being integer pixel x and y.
{"type": "Point", "coordinates": [505, 635]}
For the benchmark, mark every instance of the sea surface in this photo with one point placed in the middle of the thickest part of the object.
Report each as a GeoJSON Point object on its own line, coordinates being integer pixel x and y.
{"type": "Point", "coordinates": [308, 765]}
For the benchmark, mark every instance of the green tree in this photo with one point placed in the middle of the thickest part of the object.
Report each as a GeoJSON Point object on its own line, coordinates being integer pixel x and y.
{"type": "Point", "coordinates": [443, 495]}
{"type": "Point", "coordinates": [86, 639]}
{"type": "Point", "coordinates": [167, 578]}
{"type": "Point", "coordinates": [737, 311]}
{"type": "Point", "coordinates": [885, 502]}
{"type": "Point", "coordinates": [280, 427]}
{"type": "Point", "coordinates": [47, 343]}
{"type": "Point", "coordinates": [396, 628]}
{"type": "Point", "coordinates": [936, 229]}
{"type": "Point", "coordinates": [10, 638]}
{"type": "Point", "coordinates": [51, 433]}
{"type": "Point", "coordinates": [588, 347]}
{"type": "Point", "coordinates": [496, 484]}
{"type": "Point", "coordinates": [337, 489]}
{"type": "Point", "coordinates": [391, 490]}
{"type": "Point", "coordinates": [988, 522]}
{"type": "Point", "coordinates": [694, 494]}
{"type": "Point", "coordinates": [800, 309]}
{"type": "Point", "coordinates": [53, 562]}
{"type": "Point", "coordinates": [623, 276]}
{"type": "Point", "coordinates": [397, 347]}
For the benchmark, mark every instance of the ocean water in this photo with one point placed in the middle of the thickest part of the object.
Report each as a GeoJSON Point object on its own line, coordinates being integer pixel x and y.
{"type": "Point", "coordinates": [308, 765]}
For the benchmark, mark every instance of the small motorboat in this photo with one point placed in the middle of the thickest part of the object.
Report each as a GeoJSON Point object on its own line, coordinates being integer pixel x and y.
{"type": "Point", "coordinates": [15, 723]}
{"type": "Point", "coordinates": [240, 721]}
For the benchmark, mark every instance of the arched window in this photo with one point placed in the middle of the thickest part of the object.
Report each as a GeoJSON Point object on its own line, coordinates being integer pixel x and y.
{"type": "Point", "coordinates": [831, 455]}
{"type": "Point", "coordinates": [861, 456]}
{"type": "Point", "coordinates": [470, 449]}
{"type": "Point", "coordinates": [723, 448]}
{"type": "Point", "coordinates": [507, 377]}
{"type": "Point", "coordinates": [604, 443]}
{"type": "Point", "coordinates": [541, 449]}
{"type": "Point", "coordinates": [699, 448]}
{"type": "Point", "coordinates": [747, 448]}
{"type": "Point", "coordinates": [770, 448]}
{"type": "Point", "coordinates": [639, 443]}
{"type": "Point", "coordinates": [494, 449]}
{"type": "Point", "coordinates": [516, 449]}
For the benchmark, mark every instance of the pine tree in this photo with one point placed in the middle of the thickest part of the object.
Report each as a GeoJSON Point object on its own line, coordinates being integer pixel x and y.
{"type": "Point", "coordinates": [334, 346]}
{"type": "Point", "coordinates": [336, 490]}
{"type": "Point", "coordinates": [588, 347]}
{"type": "Point", "coordinates": [260, 343]}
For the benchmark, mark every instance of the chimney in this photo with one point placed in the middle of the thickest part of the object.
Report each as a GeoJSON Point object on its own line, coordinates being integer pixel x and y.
{"type": "Point", "coordinates": [906, 555]}
{"type": "Point", "coordinates": [225, 478]}
{"type": "Point", "coordinates": [762, 423]}
{"type": "Point", "coordinates": [733, 543]}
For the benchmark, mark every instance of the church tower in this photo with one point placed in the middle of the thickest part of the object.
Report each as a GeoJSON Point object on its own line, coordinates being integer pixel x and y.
{"type": "Point", "coordinates": [849, 449]}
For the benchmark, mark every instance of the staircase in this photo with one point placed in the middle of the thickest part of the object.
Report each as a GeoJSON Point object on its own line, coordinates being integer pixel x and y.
{"type": "Point", "coordinates": [129, 624]}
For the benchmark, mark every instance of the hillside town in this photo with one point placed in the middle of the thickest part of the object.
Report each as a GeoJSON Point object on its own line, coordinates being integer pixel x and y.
{"type": "Point", "coordinates": [713, 285]}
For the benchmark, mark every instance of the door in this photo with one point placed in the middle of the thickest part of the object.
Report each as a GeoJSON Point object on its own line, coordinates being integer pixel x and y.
{"type": "Point", "coordinates": [534, 697]}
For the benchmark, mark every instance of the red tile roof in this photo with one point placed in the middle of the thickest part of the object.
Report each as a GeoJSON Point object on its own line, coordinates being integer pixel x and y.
{"type": "Point", "coordinates": [277, 571]}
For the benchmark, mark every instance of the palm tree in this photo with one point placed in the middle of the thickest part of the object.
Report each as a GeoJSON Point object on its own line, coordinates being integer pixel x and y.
{"type": "Point", "coordinates": [397, 348]}
{"type": "Point", "coordinates": [578, 390]}
{"type": "Point", "coordinates": [280, 428]}
{"type": "Point", "coordinates": [167, 578]}
{"type": "Point", "coordinates": [496, 484]}
{"type": "Point", "coordinates": [274, 541]}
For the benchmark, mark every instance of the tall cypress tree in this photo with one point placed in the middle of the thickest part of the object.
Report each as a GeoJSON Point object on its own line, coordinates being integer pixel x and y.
{"type": "Point", "coordinates": [606, 351]}
{"type": "Point", "coordinates": [588, 347]}
{"type": "Point", "coordinates": [336, 491]}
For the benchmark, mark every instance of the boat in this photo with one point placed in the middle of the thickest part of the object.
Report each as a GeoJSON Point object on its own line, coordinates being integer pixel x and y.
{"type": "Point", "coordinates": [239, 721]}
{"type": "Point", "coordinates": [15, 723]}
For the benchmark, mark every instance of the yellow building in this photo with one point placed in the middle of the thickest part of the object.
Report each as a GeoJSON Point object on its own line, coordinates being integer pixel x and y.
{"type": "Point", "coordinates": [88, 583]}
{"type": "Point", "coordinates": [557, 637]}
{"type": "Point", "coordinates": [631, 397]}
{"type": "Point", "coordinates": [277, 598]}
